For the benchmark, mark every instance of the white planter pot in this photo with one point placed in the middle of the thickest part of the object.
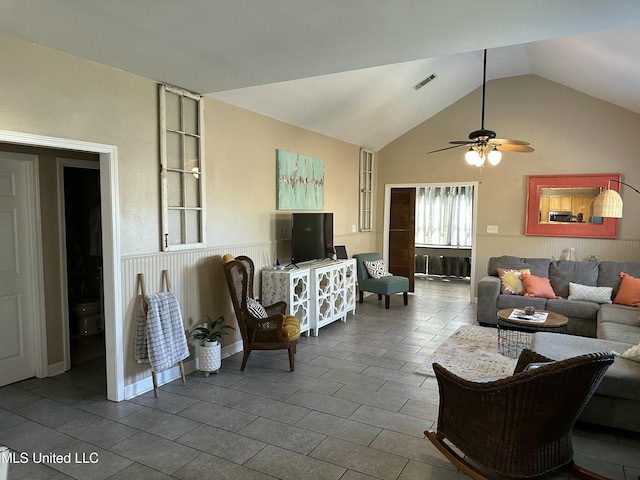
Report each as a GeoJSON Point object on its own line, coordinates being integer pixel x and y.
{"type": "Point", "coordinates": [209, 357]}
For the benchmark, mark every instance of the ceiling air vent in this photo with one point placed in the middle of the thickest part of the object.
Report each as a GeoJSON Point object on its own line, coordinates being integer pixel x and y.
{"type": "Point", "coordinates": [418, 86]}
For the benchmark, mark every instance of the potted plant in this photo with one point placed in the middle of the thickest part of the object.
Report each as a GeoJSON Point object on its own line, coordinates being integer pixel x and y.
{"type": "Point", "coordinates": [209, 357]}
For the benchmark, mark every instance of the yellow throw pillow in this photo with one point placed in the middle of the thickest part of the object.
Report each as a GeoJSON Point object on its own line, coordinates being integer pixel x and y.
{"type": "Point", "coordinates": [227, 258]}
{"type": "Point", "coordinates": [291, 328]}
{"type": "Point", "coordinates": [510, 282]}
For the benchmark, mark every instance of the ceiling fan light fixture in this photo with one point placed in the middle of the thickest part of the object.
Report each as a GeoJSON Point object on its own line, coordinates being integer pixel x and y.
{"type": "Point", "coordinates": [483, 144]}
{"type": "Point", "coordinates": [472, 157]}
{"type": "Point", "coordinates": [494, 157]}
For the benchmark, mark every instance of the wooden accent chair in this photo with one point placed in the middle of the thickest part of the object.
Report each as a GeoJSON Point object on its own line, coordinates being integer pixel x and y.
{"type": "Point", "coordinates": [261, 327]}
{"type": "Point", "coordinates": [518, 426]}
{"type": "Point", "coordinates": [386, 286]}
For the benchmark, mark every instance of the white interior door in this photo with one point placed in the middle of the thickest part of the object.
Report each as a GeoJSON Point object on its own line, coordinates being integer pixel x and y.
{"type": "Point", "coordinates": [18, 268]}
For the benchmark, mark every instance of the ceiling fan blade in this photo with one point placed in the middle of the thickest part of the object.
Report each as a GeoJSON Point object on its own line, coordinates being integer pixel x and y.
{"type": "Point", "coordinates": [508, 147]}
{"type": "Point", "coordinates": [448, 148]}
{"type": "Point", "coordinates": [485, 140]}
{"type": "Point", "coordinates": [507, 141]}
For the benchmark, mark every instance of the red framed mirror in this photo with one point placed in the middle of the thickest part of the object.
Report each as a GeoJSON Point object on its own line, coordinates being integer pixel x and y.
{"type": "Point", "coordinates": [560, 206]}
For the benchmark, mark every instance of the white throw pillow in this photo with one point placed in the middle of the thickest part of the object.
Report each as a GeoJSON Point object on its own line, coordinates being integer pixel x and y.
{"type": "Point", "coordinates": [377, 268]}
{"type": "Point", "coordinates": [633, 353]}
{"type": "Point", "coordinates": [589, 294]}
{"type": "Point", "coordinates": [255, 308]}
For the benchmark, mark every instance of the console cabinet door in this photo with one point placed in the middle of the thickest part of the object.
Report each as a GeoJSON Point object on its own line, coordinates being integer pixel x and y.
{"type": "Point", "coordinates": [317, 295]}
{"type": "Point", "coordinates": [292, 287]}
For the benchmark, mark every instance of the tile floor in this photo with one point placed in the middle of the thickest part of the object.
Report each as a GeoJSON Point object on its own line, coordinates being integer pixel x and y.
{"type": "Point", "coordinates": [353, 410]}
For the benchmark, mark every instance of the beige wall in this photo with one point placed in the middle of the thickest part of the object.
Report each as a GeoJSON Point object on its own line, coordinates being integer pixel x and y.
{"type": "Point", "coordinates": [49, 93]}
{"type": "Point", "coordinates": [571, 133]}
{"type": "Point", "coordinates": [45, 92]}
{"type": "Point", "coordinates": [241, 152]}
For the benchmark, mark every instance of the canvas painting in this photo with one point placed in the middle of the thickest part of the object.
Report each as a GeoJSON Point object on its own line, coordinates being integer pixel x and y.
{"type": "Point", "coordinates": [300, 181]}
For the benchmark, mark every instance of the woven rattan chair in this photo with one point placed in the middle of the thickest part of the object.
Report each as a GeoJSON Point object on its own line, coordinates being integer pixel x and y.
{"type": "Point", "coordinates": [519, 426]}
{"type": "Point", "coordinates": [274, 330]}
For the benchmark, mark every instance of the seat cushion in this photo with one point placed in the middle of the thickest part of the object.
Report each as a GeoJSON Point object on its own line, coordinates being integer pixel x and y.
{"type": "Point", "coordinates": [618, 332]}
{"type": "Point", "coordinates": [619, 314]}
{"type": "Point", "coordinates": [574, 308]}
{"type": "Point", "coordinates": [291, 328]}
{"type": "Point", "coordinates": [621, 380]}
{"type": "Point", "coordinates": [537, 266]}
{"type": "Point", "coordinates": [518, 301]}
{"type": "Point", "coordinates": [609, 273]}
{"type": "Point", "coordinates": [563, 272]}
{"type": "Point", "coordinates": [386, 285]}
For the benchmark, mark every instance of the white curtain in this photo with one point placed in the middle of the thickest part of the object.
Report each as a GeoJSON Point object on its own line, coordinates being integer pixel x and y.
{"type": "Point", "coordinates": [444, 216]}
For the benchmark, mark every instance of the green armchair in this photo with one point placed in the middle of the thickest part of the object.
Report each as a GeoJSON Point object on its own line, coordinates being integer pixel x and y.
{"type": "Point", "coordinates": [386, 286]}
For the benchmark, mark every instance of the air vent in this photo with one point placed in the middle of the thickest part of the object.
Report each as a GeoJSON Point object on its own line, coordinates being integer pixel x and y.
{"type": "Point", "coordinates": [418, 86]}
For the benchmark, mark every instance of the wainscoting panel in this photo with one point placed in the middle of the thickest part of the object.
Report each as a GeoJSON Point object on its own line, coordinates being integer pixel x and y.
{"type": "Point", "coordinates": [558, 248]}
{"type": "Point", "coordinates": [197, 280]}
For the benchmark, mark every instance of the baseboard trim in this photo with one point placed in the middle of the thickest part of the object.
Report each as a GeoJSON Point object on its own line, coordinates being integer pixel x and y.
{"type": "Point", "coordinates": [55, 369]}
{"type": "Point", "coordinates": [146, 385]}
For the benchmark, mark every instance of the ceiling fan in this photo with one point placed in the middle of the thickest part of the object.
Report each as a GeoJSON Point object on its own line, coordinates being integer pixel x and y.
{"type": "Point", "coordinates": [483, 144]}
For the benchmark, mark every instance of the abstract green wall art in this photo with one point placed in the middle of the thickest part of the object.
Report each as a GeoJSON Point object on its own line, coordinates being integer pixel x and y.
{"type": "Point", "coordinates": [300, 181]}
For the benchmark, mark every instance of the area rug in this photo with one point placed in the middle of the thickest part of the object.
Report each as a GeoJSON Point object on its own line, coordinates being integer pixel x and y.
{"type": "Point", "coordinates": [471, 352]}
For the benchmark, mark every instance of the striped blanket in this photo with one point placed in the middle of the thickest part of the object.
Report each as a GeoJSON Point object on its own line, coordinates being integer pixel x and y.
{"type": "Point", "coordinates": [160, 338]}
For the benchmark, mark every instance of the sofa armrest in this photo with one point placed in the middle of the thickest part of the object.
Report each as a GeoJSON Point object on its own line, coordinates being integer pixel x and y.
{"type": "Point", "coordinates": [488, 291]}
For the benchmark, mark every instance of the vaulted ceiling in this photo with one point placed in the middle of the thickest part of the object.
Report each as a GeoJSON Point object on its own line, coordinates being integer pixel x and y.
{"type": "Point", "coordinates": [346, 68]}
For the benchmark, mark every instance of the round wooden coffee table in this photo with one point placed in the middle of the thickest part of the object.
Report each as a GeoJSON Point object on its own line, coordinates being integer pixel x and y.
{"type": "Point", "coordinates": [514, 334]}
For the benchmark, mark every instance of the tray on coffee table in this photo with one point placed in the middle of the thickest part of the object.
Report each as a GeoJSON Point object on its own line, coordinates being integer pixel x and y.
{"type": "Point", "coordinates": [515, 331]}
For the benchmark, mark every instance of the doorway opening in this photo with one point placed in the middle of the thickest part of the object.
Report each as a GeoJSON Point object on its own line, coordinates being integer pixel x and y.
{"type": "Point", "coordinates": [113, 303]}
{"type": "Point", "coordinates": [462, 270]}
{"type": "Point", "coordinates": [82, 235]}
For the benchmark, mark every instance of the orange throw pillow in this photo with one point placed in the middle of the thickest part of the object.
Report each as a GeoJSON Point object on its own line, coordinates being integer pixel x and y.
{"type": "Point", "coordinates": [629, 291]}
{"type": "Point", "coordinates": [537, 286]}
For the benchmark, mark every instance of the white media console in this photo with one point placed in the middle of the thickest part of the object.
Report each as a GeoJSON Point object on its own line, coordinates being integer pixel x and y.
{"type": "Point", "coordinates": [318, 293]}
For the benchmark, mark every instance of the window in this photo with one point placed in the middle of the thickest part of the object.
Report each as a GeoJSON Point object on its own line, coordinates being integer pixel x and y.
{"type": "Point", "coordinates": [182, 169]}
{"type": "Point", "coordinates": [444, 216]}
{"type": "Point", "coordinates": [366, 190]}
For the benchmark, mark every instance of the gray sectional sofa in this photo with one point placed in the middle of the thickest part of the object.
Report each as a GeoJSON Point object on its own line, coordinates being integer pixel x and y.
{"type": "Point", "coordinates": [592, 327]}
{"type": "Point", "coordinates": [582, 314]}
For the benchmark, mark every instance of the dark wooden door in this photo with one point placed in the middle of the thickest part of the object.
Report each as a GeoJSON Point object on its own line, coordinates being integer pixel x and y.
{"type": "Point", "coordinates": [402, 225]}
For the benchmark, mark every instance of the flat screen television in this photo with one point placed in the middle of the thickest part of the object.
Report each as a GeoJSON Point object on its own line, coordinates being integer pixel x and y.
{"type": "Point", "coordinates": [311, 236]}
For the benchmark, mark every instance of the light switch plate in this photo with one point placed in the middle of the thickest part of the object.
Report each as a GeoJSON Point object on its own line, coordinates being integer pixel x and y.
{"type": "Point", "coordinates": [492, 228]}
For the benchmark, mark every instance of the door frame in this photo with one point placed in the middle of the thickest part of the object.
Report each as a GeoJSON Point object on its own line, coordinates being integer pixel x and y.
{"type": "Point", "coordinates": [387, 210]}
{"type": "Point", "coordinates": [112, 277]}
